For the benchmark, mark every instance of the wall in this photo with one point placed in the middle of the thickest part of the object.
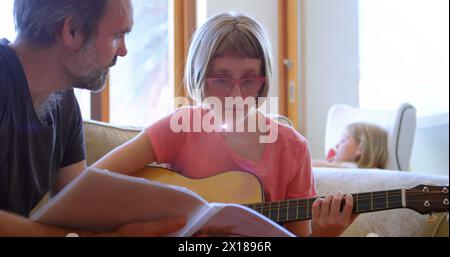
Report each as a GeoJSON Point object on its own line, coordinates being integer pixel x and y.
{"type": "Point", "coordinates": [331, 54]}
{"type": "Point", "coordinates": [331, 63]}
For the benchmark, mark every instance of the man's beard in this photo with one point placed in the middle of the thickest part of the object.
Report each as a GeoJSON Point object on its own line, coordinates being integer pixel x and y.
{"type": "Point", "coordinates": [82, 72]}
{"type": "Point", "coordinates": [94, 81]}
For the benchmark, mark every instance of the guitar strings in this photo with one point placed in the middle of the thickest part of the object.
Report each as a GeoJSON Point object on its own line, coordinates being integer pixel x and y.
{"type": "Point", "coordinates": [365, 196]}
{"type": "Point", "coordinates": [362, 207]}
{"type": "Point", "coordinates": [302, 204]}
{"type": "Point", "coordinates": [285, 216]}
{"type": "Point", "coordinates": [361, 197]}
{"type": "Point", "coordinates": [275, 207]}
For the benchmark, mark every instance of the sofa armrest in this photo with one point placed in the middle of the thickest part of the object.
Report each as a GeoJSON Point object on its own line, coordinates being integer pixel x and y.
{"type": "Point", "coordinates": [398, 222]}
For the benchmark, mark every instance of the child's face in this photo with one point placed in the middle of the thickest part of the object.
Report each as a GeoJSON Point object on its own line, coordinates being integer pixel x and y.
{"type": "Point", "coordinates": [347, 150]}
{"type": "Point", "coordinates": [232, 76]}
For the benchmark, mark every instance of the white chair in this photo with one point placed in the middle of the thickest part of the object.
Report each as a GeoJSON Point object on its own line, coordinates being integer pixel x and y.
{"type": "Point", "coordinates": [400, 125]}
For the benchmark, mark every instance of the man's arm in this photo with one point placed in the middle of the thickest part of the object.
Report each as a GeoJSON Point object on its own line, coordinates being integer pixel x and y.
{"type": "Point", "coordinates": [14, 225]}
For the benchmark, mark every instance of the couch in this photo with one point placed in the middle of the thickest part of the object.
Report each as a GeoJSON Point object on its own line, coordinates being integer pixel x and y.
{"type": "Point", "coordinates": [101, 138]}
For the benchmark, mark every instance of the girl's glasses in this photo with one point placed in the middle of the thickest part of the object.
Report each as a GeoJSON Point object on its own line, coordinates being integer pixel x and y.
{"type": "Point", "coordinates": [223, 86]}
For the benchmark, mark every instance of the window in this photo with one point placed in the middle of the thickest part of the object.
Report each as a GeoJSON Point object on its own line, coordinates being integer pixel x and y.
{"type": "Point", "coordinates": [84, 101]}
{"type": "Point", "coordinates": [404, 54]}
{"type": "Point", "coordinates": [140, 90]}
{"type": "Point", "coordinates": [7, 20]}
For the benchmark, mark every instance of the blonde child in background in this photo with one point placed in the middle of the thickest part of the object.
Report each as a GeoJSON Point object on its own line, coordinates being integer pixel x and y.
{"type": "Point", "coordinates": [362, 145]}
{"type": "Point", "coordinates": [229, 57]}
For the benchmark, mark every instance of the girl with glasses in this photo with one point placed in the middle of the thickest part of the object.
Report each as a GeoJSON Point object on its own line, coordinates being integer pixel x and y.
{"type": "Point", "coordinates": [229, 73]}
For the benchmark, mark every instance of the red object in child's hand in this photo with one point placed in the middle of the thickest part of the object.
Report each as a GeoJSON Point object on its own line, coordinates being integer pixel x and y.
{"type": "Point", "coordinates": [331, 154]}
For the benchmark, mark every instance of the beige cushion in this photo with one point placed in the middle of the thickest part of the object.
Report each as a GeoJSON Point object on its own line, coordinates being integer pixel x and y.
{"type": "Point", "coordinates": [101, 138]}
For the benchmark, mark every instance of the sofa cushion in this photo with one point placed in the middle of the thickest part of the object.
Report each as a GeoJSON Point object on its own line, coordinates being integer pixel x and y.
{"type": "Point", "coordinates": [398, 222]}
{"type": "Point", "coordinates": [101, 138]}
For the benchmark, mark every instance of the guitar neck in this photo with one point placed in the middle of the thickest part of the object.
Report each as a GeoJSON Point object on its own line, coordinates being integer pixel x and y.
{"type": "Point", "coordinates": [301, 209]}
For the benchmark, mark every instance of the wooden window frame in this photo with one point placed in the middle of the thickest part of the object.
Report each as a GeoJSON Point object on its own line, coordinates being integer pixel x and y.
{"type": "Point", "coordinates": [290, 64]}
{"type": "Point", "coordinates": [185, 25]}
{"type": "Point", "coordinates": [100, 104]}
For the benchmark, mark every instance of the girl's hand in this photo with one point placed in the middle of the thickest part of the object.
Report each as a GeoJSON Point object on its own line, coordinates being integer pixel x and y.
{"type": "Point", "coordinates": [327, 217]}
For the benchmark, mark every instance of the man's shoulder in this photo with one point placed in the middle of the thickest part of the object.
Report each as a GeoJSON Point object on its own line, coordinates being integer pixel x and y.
{"type": "Point", "coordinates": [10, 68]}
{"type": "Point", "coordinates": [5, 52]}
{"type": "Point", "coordinates": [5, 75]}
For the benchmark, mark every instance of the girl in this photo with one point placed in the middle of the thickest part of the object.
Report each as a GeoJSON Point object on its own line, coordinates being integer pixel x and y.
{"type": "Point", "coordinates": [229, 60]}
{"type": "Point", "coordinates": [362, 145]}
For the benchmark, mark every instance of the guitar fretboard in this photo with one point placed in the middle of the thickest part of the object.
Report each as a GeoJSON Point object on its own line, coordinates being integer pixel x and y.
{"type": "Point", "coordinates": [301, 209]}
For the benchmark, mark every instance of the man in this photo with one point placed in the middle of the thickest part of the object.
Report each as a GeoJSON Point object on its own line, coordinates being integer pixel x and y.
{"type": "Point", "coordinates": [61, 44]}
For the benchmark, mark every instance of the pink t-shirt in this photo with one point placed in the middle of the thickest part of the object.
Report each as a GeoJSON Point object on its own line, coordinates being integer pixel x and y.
{"type": "Point", "coordinates": [284, 170]}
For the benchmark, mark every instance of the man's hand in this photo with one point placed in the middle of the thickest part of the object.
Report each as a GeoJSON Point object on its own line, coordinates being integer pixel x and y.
{"type": "Point", "coordinates": [145, 229]}
{"type": "Point", "coordinates": [327, 217]}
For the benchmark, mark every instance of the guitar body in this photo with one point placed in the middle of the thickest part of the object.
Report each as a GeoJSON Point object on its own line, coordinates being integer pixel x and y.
{"type": "Point", "coordinates": [228, 187]}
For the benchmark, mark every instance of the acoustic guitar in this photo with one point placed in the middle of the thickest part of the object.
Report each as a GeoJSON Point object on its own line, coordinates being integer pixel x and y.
{"type": "Point", "coordinates": [245, 188]}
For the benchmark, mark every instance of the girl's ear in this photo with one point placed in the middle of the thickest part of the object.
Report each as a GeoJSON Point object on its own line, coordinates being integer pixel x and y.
{"type": "Point", "coordinates": [72, 38]}
{"type": "Point", "coordinates": [359, 151]}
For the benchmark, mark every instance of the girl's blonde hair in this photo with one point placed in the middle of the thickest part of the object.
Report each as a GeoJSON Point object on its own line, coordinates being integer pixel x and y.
{"type": "Point", "coordinates": [222, 34]}
{"type": "Point", "coordinates": [373, 144]}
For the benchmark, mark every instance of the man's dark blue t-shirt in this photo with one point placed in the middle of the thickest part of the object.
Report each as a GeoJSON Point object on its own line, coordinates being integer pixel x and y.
{"type": "Point", "coordinates": [32, 150]}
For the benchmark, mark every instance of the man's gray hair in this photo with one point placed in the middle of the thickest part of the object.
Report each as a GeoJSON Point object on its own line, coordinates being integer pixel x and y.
{"type": "Point", "coordinates": [39, 21]}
